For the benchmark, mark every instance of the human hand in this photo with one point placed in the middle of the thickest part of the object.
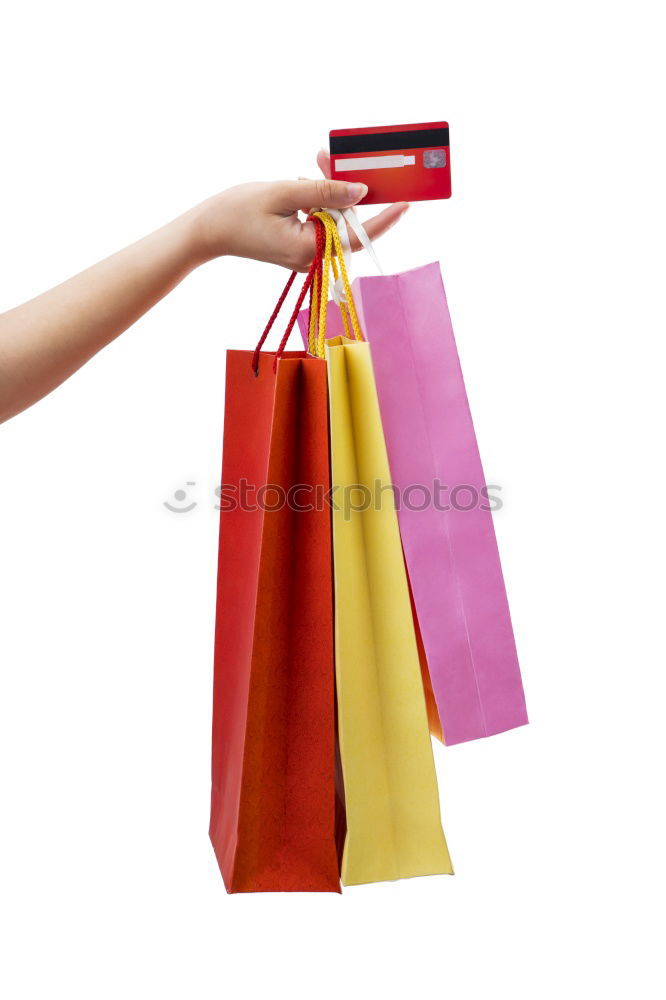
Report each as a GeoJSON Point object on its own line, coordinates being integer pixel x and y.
{"type": "Point", "coordinates": [261, 220]}
{"type": "Point", "coordinates": [43, 341]}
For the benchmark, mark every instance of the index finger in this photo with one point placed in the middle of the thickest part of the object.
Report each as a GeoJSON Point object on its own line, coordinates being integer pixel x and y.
{"type": "Point", "coordinates": [324, 163]}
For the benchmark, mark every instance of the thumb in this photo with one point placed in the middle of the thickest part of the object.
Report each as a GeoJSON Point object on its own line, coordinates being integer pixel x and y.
{"type": "Point", "coordinates": [290, 196]}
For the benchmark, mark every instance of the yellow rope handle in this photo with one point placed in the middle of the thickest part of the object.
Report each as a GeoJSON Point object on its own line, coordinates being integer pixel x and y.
{"type": "Point", "coordinates": [333, 235]}
{"type": "Point", "coordinates": [312, 329]}
{"type": "Point", "coordinates": [333, 241]}
{"type": "Point", "coordinates": [315, 306]}
{"type": "Point", "coordinates": [323, 293]}
{"type": "Point", "coordinates": [342, 306]}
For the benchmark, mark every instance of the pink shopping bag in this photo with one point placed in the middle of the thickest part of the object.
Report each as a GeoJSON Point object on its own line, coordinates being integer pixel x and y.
{"type": "Point", "coordinates": [451, 554]}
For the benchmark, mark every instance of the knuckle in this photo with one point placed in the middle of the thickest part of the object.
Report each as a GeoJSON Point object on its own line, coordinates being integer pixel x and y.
{"type": "Point", "coordinates": [324, 191]}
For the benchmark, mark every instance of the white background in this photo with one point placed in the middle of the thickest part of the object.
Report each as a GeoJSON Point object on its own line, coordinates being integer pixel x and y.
{"type": "Point", "coordinates": [116, 117]}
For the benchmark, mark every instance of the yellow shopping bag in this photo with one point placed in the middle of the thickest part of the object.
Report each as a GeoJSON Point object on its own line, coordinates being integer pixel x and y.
{"type": "Point", "coordinates": [392, 804]}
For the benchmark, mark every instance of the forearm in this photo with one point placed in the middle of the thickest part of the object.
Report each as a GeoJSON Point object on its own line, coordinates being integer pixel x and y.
{"type": "Point", "coordinates": [44, 341]}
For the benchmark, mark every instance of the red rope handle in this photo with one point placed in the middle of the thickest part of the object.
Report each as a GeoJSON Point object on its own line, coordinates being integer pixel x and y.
{"type": "Point", "coordinates": [285, 292]}
{"type": "Point", "coordinates": [294, 316]}
{"type": "Point", "coordinates": [315, 268]}
{"type": "Point", "coordinates": [316, 264]}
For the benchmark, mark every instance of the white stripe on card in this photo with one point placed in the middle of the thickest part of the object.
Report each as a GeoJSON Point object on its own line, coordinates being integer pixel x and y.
{"type": "Point", "coordinates": [373, 162]}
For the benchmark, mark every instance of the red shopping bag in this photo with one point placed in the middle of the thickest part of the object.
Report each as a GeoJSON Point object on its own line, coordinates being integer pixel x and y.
{"type": "Point", "coordinates": [273, 805]}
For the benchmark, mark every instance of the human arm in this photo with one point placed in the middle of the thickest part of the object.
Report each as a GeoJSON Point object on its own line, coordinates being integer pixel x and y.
{"type": "Point", "coordinates": [45, 340]}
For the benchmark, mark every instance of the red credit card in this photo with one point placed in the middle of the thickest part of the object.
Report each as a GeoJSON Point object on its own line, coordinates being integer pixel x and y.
{"type": "Point", "coordinates": [397, 162]}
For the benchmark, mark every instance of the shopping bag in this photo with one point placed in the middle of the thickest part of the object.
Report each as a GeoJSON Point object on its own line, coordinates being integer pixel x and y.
{"type": "Point", "coordinates": [390, 787]}
{"type": "Point", "coordinates": [445, 519]}
{"type": "Point", "coordinates": [273, 771]}
{"type": "Point", "coordinates": [391, 799]}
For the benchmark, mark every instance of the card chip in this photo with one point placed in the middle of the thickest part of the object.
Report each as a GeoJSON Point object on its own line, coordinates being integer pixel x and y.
{"type": "Point", "coordinates": [434, 158]}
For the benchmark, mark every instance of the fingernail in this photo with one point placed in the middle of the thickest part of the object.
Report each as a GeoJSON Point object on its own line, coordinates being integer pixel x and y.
{"type": "Point", "coordinates": [357, 191]}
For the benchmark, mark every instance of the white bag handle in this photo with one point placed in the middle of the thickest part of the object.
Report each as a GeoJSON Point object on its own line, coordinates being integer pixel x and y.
{"type": "Point", "coordinates": [342, 218]}
{"type": "Point", "coordinates": [363, 238]}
